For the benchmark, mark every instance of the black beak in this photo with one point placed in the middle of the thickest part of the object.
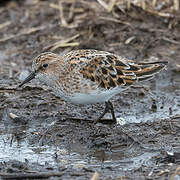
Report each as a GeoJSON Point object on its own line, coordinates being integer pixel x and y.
{"type": "Point", "coordinates": [29, 78]}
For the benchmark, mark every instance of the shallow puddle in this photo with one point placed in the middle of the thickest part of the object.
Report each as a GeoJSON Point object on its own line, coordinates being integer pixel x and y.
{"type": "Point", "coordinates": [51, 155]}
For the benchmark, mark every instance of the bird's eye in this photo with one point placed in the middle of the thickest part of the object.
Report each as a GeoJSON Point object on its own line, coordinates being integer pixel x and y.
{"type": "Point", "coordinates": [45, 65]}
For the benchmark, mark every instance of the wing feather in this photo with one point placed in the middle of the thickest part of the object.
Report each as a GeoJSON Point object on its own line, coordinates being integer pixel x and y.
{"type": "Point", "coordinates": [109, 70]}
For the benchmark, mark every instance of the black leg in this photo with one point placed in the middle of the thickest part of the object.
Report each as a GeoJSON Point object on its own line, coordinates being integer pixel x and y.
{"type": "Point", "coordinates": [108, 106]}
{"type": "Point", "coordinates": [104, 112]}
{"type": "Point", "coordinates": [112, 111]}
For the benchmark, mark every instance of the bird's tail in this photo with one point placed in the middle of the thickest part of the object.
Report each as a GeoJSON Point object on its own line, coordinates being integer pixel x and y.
{"type": "Point", "coordinates": [148, 70]}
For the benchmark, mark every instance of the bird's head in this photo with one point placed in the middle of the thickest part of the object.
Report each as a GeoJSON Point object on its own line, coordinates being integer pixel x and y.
{"type": "Point", "coordinates": [42, 65]}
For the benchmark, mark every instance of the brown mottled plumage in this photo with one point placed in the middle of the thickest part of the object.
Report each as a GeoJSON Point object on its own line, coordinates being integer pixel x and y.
{"type": "Point", "coordinates": [90, 76]}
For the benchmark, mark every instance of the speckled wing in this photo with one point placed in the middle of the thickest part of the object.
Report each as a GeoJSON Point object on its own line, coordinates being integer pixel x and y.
{"type": "Point", "coordinates": [109, 70]}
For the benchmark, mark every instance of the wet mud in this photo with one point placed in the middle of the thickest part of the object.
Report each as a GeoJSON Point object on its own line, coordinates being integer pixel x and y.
{"type": "Point", "coordinates": [41, 136]}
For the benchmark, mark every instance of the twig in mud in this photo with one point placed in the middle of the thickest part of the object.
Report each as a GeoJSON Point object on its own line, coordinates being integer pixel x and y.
{"type": "Point", "coordinates": [103, 4]}
{"type": "Point", "coordinates": [143, 4]}
{"type": "Point", "coordinates": [151, 172]}
{"type": "Point", "coordinates": [95, 176]}
{"type": "Point", "coordinates": [129, 40]}
{"type": "Point", "coordinates": [5, 24]}
{"type": "Point", "coordinates": [162, 172]}
{"type": "Point", "coordinates": [71, 12]}
{"type": "Point", "coordinates": [170, 40]}
{"type": "Point", "coordinates": [128, 4]}
{"type": "Point", "coordinates": [8, 88]}
{"type": "Point", "coordinates": [176, 5]}
{"type": "Point", "coordinates": [63, 43]}
{"type": "Point", "coordinates": [13, 116]}
{"type": "Point", "coordinates": [61, 14]}
{"type": "Point", "coordinates": [154, 3]}
{"type": "Point", "coordinates": [109, 6]}
{"type": "Point", "coordinates": [63, 21]}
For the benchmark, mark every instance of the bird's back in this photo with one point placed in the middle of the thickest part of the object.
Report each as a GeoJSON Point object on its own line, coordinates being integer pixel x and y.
{"type": "Point", "coordinates": [108, 70]}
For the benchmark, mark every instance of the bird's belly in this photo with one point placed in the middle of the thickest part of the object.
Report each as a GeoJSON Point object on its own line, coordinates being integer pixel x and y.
{"type": "Point", "coordinates": [94, 97]}
{"type": "Point", "coordinates": [88, 98]}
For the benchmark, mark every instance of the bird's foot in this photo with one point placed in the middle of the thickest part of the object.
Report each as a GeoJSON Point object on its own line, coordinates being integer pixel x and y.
{"type": "Point", "coordinates": [108, 107]}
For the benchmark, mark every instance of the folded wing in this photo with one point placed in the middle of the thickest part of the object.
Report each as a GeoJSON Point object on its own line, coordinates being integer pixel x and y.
{"type": "Point", "coordinates": [109, 70]}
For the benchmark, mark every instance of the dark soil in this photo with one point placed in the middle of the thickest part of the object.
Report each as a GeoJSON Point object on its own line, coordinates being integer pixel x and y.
{"type": "Point", "coordinates": [44, 137]}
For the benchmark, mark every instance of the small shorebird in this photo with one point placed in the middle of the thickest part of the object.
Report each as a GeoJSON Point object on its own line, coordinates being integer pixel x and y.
{"type": "Point", "coordinates": [90, 76]}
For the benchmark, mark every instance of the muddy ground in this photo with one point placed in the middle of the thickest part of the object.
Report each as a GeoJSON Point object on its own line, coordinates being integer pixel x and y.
{"type": "Point", "coordinates": [44, 137]}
